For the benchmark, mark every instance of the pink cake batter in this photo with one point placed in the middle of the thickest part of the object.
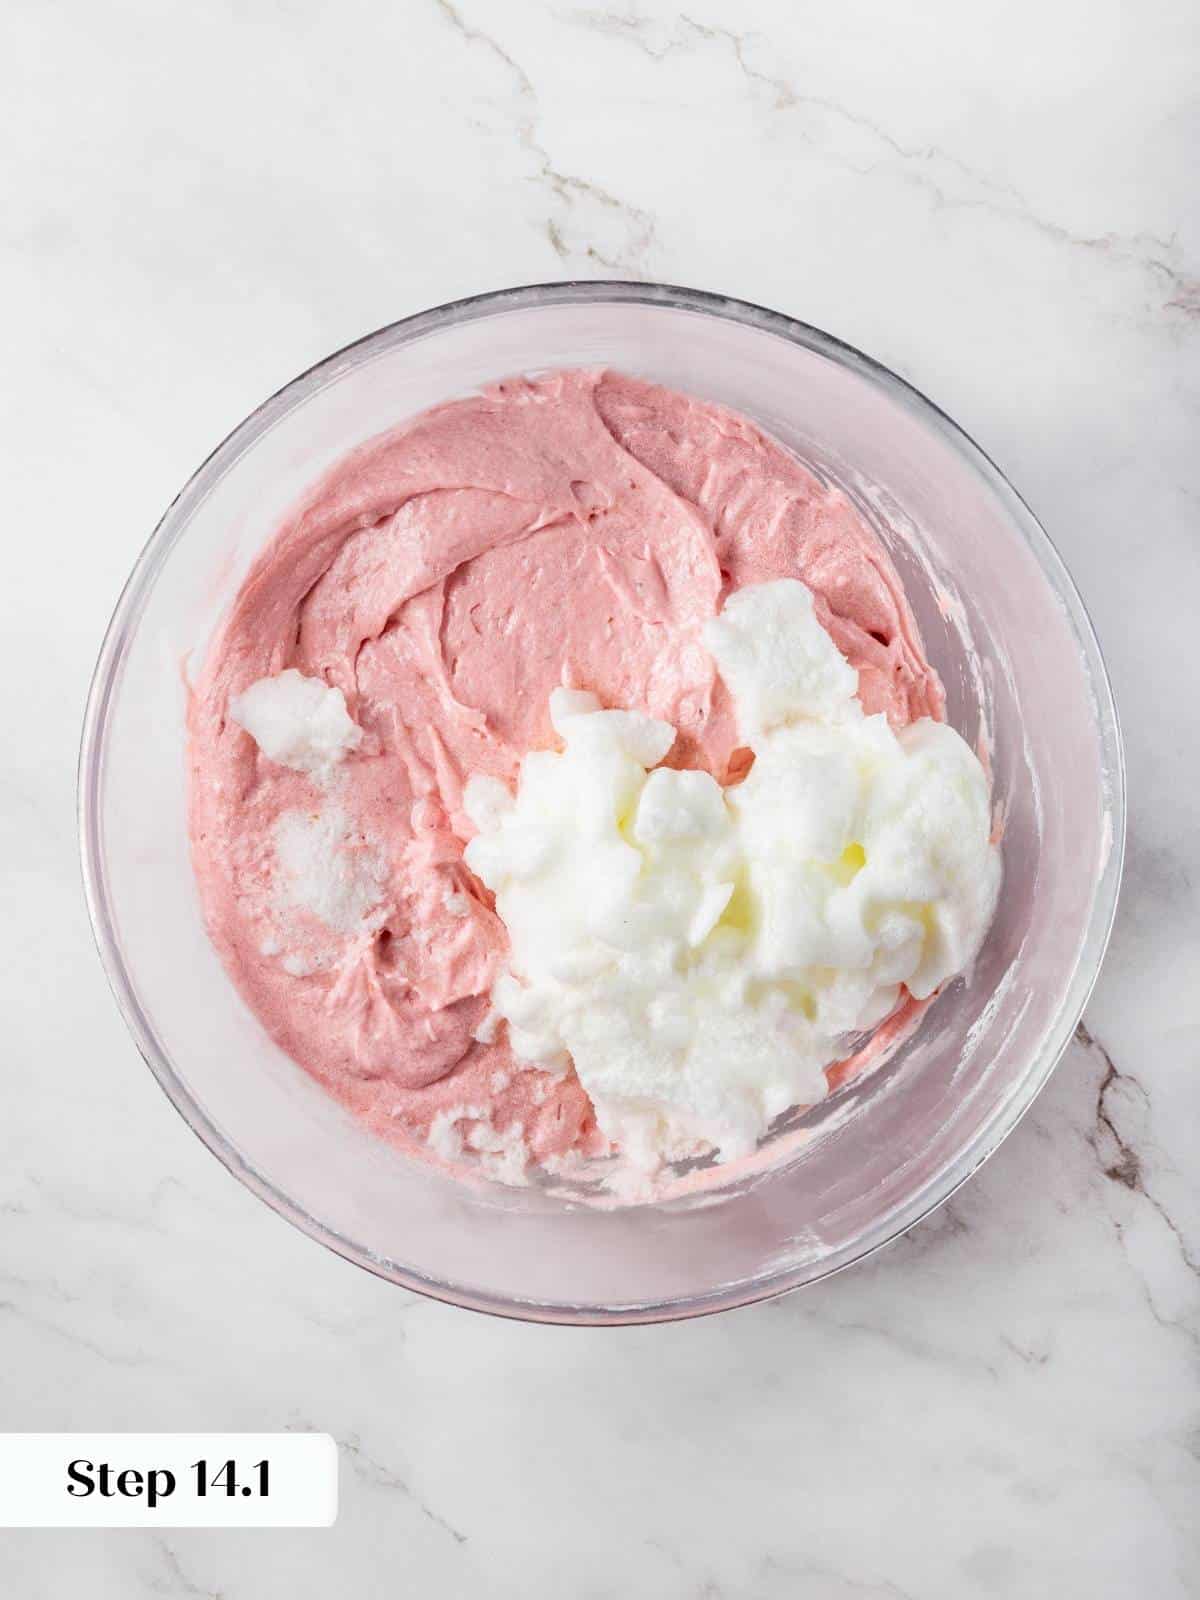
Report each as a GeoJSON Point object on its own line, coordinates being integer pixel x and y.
{"type": "Point", "coordinates": [575, 529]}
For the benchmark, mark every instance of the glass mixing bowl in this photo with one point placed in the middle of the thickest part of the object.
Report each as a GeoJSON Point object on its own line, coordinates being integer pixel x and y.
{"type": "Point", "coordinates": [1003, 624]}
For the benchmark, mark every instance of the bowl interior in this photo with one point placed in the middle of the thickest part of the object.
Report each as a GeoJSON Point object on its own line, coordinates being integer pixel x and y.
{"type": "Point", "coordinates": [1023, 675]}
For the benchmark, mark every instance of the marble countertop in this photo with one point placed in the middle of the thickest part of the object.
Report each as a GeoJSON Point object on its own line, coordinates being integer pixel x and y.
{"type": "Point", "coordinates": [998, 201]}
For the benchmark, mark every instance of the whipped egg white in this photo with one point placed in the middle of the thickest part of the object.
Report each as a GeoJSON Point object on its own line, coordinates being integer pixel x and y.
{"type": "Point", "coordinates": [700, 955]}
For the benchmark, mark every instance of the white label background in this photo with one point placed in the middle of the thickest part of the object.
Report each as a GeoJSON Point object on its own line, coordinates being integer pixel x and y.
{"type": "Point", "coordinates": [303, 1480]}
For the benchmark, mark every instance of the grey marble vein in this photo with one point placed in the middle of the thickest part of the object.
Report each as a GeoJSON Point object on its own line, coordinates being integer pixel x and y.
{"type": "Point", "coordinates": [174, 1579]}
{"type": "Point", "coordinates": [929, 167]}
{"type": "Point", "coordinates": [571, 192]}
{"type": "Point", "coordinates": [1122, 1163]}
{"type": "Point", "coordinates": [373, 1472]}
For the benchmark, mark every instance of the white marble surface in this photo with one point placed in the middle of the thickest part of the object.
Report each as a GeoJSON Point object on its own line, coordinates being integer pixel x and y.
{"type": "Point", "coordinates": [998, 200]}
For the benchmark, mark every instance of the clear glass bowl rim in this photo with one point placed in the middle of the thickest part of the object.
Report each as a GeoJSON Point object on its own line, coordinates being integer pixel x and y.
{"type": "Point", "coordinates": [156, 552]}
